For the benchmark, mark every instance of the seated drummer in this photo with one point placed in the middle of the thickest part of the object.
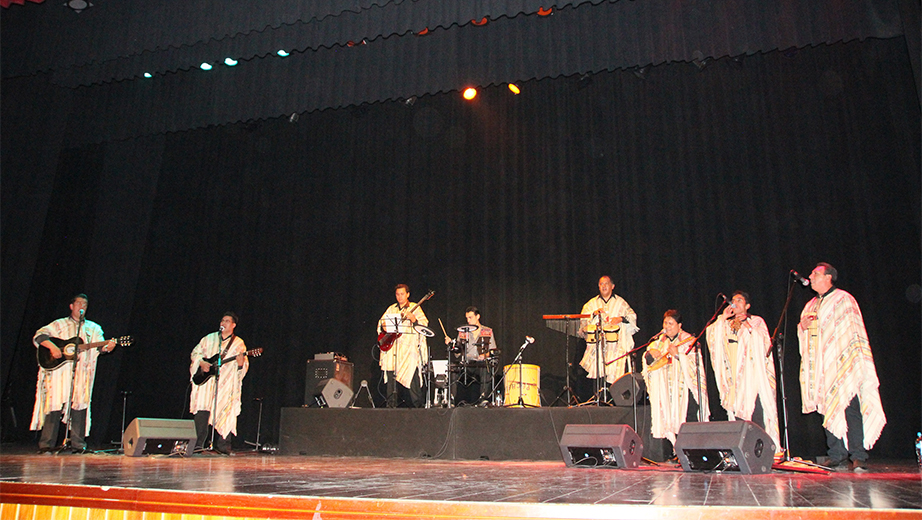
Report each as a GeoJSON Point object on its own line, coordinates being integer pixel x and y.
{"type": "Point", "coordinates": [477, 346]}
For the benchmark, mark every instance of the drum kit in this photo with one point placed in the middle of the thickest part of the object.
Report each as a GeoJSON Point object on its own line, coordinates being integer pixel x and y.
{"type": "Point", "coordinates": [448, 372]}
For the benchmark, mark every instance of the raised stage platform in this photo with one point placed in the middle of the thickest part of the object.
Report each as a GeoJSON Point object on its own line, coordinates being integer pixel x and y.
{"type": "Point", "coordinates": [464, 433]}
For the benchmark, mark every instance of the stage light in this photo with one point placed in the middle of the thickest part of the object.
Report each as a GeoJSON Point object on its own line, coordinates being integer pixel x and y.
{"type": "Point", "coordinates": [545, 12]}
{"type": "Point", "coordinates": [78, 5]}
{"type": "Point", "coordinates": [205, 66]}
{"type": "Point", "coordinates": [470, 93]}
{"type": "Point", "coordinates": [230, 62]}
{"type": "Point", "coordinates": [482, 21]}
{"type": "Point", "coordinates": [282, 53]}
{"type": "Point", "coordinates": [148, 75]}
{"type": "Point", "coordinates": [514, 89]}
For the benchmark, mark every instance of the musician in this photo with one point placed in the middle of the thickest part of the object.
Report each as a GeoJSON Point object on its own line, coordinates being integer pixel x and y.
{"type": "Point", "coordinates": [402, 362]}
{"type": "Point", "coordinates": [838, 378]}
{"type": "Point", "coordinates": [745, 376]}
{"type": "Point", "coordinates": [672, 376]}
{"type": "Point", "coordinates": [220, 345]}
{"type": "Point", "coordinates": [53, 388]}
{"type": "Point", "coordinates": [619, 323]}
{"type": "Point", "coordinates": [477, 346]}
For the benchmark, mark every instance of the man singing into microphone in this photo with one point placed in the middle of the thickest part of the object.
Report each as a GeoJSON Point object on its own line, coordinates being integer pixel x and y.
{"type": "Point", "coordinates": [672, 374]}
{"type": "Point", "coordinates": [745, 376]}
{"type": "Point", "coordinates": [221, 345]}
{"type": "Point", "coordinates": [838, 378]}
{"type": "Point", "coordinates": [53, 391]}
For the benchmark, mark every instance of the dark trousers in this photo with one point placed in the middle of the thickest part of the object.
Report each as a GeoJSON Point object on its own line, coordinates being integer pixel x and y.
{"type": "Point", "coordinates": [203, 430]}
{"type": "Point", "coordinates": [837, 450]}
{"type": "Point", "coordinates": [416, 393]}
{"type": "Point", "coordinates": [49, 436]}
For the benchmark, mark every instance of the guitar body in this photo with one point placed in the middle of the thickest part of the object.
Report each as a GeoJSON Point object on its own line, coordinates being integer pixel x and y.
{"type": "Point", "coordinates": [386, 340]}
{"type": "Point", "coordinates": [69, 349]}
{"type": "Point", "coordinates": [201, 377]}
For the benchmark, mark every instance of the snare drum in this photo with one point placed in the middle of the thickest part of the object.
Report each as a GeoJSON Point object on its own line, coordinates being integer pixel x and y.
{"type": "Point", "coordinates": [530, 379]}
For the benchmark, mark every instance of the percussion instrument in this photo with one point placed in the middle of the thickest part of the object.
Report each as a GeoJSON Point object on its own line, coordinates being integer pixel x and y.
{"type": "Point", "coordinates": [530, 379]}
{"type": "Point", "coordinates": [611, 334]}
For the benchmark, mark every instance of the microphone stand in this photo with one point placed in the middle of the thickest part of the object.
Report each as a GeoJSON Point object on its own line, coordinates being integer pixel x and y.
{"type": "Point", "coordinates": [635, 387]}
{"type": "Point", "coordinates": [73, 380]}
{"type": "Point", "coordinates": [697, 347]}
{"type": "Point", "coordinates": [518, 360]}
{"type": "Point", "coordinates": [777, 348]}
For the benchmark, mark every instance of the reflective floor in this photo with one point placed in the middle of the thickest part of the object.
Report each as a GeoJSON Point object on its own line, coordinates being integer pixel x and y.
{"type": "Point", "coordinates": [887, 486]}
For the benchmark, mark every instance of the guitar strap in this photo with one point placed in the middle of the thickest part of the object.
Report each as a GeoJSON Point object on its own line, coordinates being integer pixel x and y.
{"type": "Point", "coordinates": [227, 348]}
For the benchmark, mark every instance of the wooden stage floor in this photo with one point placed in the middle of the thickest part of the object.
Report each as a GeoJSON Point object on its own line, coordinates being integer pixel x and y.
{"type": "Point", "coordinates": [256, 485]}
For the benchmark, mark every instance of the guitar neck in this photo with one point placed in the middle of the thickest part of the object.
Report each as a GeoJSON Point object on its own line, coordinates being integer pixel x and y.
{"type": "Point", "coordinates": [88, 346]}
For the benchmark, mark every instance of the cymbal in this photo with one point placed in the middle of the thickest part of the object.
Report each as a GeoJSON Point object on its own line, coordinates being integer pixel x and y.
{"type": "Point", "coordinates": [466, 328]}
{"type": "Point", "coordinates": [425, 331]}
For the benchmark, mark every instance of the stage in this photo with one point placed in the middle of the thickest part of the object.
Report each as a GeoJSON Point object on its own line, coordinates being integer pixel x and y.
{"type": "Point", "coordinates": [457, 477]}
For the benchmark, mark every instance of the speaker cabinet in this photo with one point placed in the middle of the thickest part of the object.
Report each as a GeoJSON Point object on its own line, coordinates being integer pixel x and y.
{"type": "Point", "coordinates": [159, 436]}
{"type": "Point", "coordinates": [332, 393]}
{"type": "Point", "coordinates": [624, 393]}
{"type": "Point", "coordinates": [319, 370]}
{"type": "Point", "coordinates": [740, 446]}
{"type": "Point", "coordinates": [600, 446]}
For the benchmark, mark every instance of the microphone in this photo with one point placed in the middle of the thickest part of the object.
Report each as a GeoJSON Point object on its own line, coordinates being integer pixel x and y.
{"type": "Point", "coordinates": [221, 328]}
{"type": "Point", "coordinates": [81, 314]}
{"type": "Point", "coordinates": [799, 278]}
{"type": "Point", "coordinates": [528, 341]}
{"type": "Point", "coordinates": [658, 334]}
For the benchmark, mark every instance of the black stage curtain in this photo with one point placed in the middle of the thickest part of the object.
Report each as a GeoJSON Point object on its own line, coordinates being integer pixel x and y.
{"type": "Point", "coordinates": [112, 101]}
{"type": "Point", "coordinates": [679, 184]}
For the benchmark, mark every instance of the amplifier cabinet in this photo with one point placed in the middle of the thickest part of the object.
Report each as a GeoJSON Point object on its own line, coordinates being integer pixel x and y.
{"type": "Point", "coordinates": [319, 370]}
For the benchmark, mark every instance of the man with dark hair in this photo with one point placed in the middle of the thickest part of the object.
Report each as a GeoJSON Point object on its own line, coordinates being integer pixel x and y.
{"type": "Point", "coordinates": [218, 346]}
{"type": "Point", "coordinates": [475, 347]}
{"type": "Point", "coordinates": [67, 384]}
{"type": "Point", "coordinates": [745, 376]}
{"type": "Point", "coordinates": [401, 363]}
{"type": "Point", "coordinates": [838, 378]}
{"type": "Point", "coordinates": [672, 378]}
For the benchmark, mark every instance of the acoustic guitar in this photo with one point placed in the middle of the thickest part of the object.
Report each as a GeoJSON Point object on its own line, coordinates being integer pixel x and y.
{"type": "Point", "coordinates": [201, 377]}
{"type": "Point", "coordinates": [70, 347]}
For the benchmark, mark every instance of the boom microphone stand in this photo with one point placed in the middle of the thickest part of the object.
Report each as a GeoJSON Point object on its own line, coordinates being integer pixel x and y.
{"type": "Point", "coordinates": [777, 348]}
{"type": "Point", "coordinates": [518, 359]}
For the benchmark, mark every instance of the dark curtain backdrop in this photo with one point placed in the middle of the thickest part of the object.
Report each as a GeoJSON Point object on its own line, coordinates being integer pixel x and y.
{"type": "Point", "coordinates": [680, 184]}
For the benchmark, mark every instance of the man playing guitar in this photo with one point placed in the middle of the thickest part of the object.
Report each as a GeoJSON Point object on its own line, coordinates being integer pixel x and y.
{"type": "Point", "coordinates": [406, 347]}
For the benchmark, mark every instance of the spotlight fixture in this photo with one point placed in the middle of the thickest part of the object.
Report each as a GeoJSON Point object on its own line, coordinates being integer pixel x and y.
{"type": "Point", "coordinates": [640, 73]}
{"type": "Point", "coordinates": [584, 81]}
{"type": "Point", "coordinates": [469, 93]}
{"type": "Point", "coordinates": [282, 52]}
{"type": "Point", "coordinates": [545, 12]}
{"type": "Point", "coordinates": [482, 21]}
{"type": "Point", "coordinates": [410, 101]}
{"type": "Point", "coordinates": [205, 66]}
{"type": "Point", "coordinates": [514, 89]}
{"type": "Point", "coordinates": [78, 5]}
{"type": "Point", "coordinates": [148, 75]}
{"type": "Point", "coordinates": [230, 62]}
{"type": "Point", "coordinates": [293, 118]}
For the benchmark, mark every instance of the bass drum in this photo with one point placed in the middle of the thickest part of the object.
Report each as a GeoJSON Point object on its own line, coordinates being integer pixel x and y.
{"type": "Point", "coordinates": [530, 378]}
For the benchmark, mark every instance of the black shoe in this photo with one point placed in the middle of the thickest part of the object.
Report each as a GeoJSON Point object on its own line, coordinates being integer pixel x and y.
{"type": "Point", "coordinates": [859, 466]}
{"type": "Point", "coordinates": [838, 465]}
{"type": "Point", "coordinates": [45, 451]}
{"type": "Point", "coordinates": [82, 451]}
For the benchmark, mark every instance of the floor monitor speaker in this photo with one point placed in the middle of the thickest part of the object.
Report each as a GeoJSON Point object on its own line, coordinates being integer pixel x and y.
{"type": "Point", "coordinates": [159, 436]}
{"type": "Point", "coordinates": [725, 446]}
{"type": "Point", "coordinates": [332, 393]}
{"type": "Point", "coordinates": [623, 393]}
{"type": "Point", "coordinates": [600, 446]}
